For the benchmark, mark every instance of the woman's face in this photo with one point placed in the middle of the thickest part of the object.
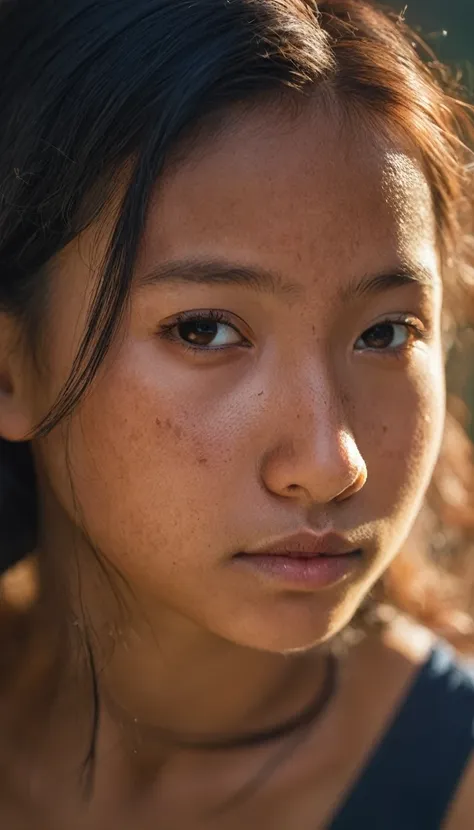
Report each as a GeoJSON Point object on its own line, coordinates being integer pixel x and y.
{"type": "Point", "coordinates": [308, 397]}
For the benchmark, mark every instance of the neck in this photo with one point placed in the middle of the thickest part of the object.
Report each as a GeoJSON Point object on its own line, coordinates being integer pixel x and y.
{"type": "Point", "coordinates": [162, 679]}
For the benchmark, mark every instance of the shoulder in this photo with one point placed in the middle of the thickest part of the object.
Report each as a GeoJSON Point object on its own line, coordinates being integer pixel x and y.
{"type": "Point", "coordinates": [442, 693]}
{"type": "Point", "coordinates": [461, 813]}
{"type": "Point", "coordinates": [415, 701]}
{"type": "Point", "coordinates": [430, 736]}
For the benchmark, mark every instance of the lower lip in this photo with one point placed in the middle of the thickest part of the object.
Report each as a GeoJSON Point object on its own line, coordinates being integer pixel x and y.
{"type": "Point", "coordinates": [314, 572]}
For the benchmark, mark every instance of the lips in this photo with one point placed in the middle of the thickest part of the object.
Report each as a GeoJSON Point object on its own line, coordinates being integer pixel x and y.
{"type": "Point", "coordinates": [305, 545]}
{"type": "Point", "coordinates": [303, 562]}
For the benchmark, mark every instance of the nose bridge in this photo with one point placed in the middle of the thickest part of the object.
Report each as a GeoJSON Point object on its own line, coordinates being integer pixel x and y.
{"type": "Point", "coordinates": [313, 392]}
{"type": "Point", "coordinates": [322, 419]}
{"type": "Point", "coordinates": [315, 449]}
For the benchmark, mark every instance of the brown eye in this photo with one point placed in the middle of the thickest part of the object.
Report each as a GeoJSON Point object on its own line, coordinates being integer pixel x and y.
{"type": "Point", "coordinates": [386, 336]}
{"type": "Point", "coordinates": [198, 332]}
{"type": "Point", "coordinates": [380, 337]}
{"type": "Point", "coordinates": [205, 331]}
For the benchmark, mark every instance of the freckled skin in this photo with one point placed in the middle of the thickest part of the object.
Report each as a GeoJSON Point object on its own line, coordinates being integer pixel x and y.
{"type": "Point", "coordinates": [178, 462]}
{"type": "Point", "coordinates": [174, 461]}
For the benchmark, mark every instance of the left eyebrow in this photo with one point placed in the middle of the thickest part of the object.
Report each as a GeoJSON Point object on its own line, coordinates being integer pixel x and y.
{"type": "Point", "coordinates": [389, 280]}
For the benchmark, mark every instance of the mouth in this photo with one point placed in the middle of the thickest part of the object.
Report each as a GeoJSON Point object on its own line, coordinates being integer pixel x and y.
{"type": "Point", "coordinates": [305, 544]}
{"type": "Point", "coordinates": [307, 572]}
{"type": "Point", "coordinates": [306, 560]}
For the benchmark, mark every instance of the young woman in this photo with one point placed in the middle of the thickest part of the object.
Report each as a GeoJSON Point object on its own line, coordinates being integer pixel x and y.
{"type": "Point", "coordinates": [234, 241]}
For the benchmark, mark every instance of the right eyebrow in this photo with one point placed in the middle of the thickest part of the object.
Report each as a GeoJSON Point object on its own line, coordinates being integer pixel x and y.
{"type": "Point", "coordinates": [221, 272]}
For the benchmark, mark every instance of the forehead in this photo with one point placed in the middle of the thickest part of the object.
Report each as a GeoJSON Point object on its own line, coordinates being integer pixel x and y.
{"type": "Point", "coordinates": [314, 188]}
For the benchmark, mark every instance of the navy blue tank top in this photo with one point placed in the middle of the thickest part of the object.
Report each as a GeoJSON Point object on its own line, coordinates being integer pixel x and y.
{"type": "Point", "coordinates": [412, 776]}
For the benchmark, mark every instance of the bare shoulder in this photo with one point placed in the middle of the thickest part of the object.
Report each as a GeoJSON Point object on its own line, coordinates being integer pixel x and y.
{"type": "Point", "coordinates": [461, 814]}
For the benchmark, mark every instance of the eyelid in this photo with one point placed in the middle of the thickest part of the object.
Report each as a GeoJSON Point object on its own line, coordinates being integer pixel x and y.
{"type": "Point", "coordinates": [406, 318]}
{"type": "Point", "coordinates": [218, 314]}
{"type": "Point", "coordinates": [399, 317]}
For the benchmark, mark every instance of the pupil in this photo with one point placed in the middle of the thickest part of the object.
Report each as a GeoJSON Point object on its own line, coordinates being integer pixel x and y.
{"type": "Point", "coordinates": [200, 332]}
{"type": "Point", "coordinates": [379, 336]}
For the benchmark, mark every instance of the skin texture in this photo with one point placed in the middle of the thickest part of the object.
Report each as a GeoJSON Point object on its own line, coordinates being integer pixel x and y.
{"type": "Point", "coordinates": [177, 460]}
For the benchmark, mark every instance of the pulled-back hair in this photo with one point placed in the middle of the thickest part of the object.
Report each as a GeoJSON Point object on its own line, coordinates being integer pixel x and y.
{"type": "Point", "coordinates": [91, 86]}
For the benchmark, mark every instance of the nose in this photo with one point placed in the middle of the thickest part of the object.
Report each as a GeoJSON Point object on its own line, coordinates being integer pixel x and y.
{"type": "Point", "coordinates": [314, 457]}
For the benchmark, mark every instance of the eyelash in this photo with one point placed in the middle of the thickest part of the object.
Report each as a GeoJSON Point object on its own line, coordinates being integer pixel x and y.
{"type": "Point", "coordinates": [418, 332]}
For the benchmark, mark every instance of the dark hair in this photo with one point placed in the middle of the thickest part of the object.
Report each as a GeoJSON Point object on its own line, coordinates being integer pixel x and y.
{"type": "Point", "coordinates": [89, 86]}
{"type": "Point", "coordinates": [86, 87]}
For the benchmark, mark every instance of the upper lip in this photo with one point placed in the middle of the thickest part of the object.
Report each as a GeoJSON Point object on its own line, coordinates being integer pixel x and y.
{"type": "Point", "coordinates": [305, 544]}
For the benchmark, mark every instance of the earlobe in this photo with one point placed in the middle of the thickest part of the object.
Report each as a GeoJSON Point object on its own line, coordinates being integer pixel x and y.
{"type": "Point", "coordinates": [15, 425]}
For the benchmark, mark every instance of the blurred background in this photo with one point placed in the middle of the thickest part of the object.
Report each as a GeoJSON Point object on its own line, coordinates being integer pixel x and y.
{"type": "Point", "coordinates": [447, 26]}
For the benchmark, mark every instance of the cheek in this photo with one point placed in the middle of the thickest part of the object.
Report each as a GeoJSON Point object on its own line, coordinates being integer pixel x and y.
{"type": "Point", "coordinates": [149, 470]}
{"type": "Point", "coordinates": [403, 427]}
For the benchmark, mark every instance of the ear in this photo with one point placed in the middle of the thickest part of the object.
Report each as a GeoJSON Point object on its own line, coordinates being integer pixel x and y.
{"type": "Point", "coordinates": [16, 416]}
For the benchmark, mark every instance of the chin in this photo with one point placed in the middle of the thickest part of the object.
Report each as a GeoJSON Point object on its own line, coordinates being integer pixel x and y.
{"type": "Point", "coordinates": [296, 623]}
